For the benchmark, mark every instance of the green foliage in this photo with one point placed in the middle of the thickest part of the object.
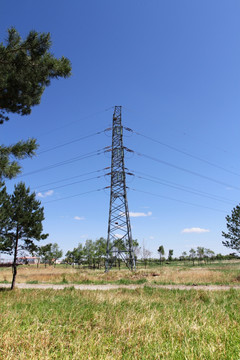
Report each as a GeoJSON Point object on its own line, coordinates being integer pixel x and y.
{"type": "Point", "coordinates": [20, 222]}
{"type": "Point", "coordinates": [49, 253]}
{"type": "Point", "coordinates": [161, 250]}
{"type": "Point", "coordinates": [44, 253]}
{"type": "Point", "coordinates": [26, 68]}
{"type": "Point", "coordinates": [233, 227]}
{"type": "Point", "coordinates": [20, 218]}
{"type": "Point", "coordinates": [55, 253]}
{"type": "Point", "coordinates": [93, 253]}
{"type": "Point", "coordinates": [170, 254]}
{"type": "Point", "coordinates": [21, 150]}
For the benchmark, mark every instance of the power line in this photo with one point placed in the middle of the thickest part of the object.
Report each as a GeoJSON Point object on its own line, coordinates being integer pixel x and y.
{"type": "Point", "coordinates": [75, 182]}
{"type": "Point", "coordinates": [173, 199]}
{"type": "Point", "coordinates": [70, 142]}
{"type": "Point", "coordinates": [75, 121]}
{"type": "Point", "coordinates": [68, 197]}
{"type": "Point", "coordinates": [186, 153]}
{"type": "Point", "coordinates": [69, 178]}
{"type": "Point", "coordinates": [185, 170]}
{"type": "Point", "coordinates": [182, 186]}
{"type": "Point", "coordinates": [191, 191]}
{"type": "Point", "coordinates": [190, 135]}
{"type": "Point", "coordinates": [66, 162]}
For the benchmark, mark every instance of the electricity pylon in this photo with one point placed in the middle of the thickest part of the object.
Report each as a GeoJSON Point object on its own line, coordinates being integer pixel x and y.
{"type": "Point", "coordinates": [119, 240]}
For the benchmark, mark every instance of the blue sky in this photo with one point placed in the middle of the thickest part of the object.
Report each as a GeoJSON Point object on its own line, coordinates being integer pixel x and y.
{"type": "Point", "coordinates": [174, 67]}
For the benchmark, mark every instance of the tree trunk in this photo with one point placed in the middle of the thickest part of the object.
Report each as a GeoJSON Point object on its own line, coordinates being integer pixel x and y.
{"type": "Point", "coordinates": [14, 265]}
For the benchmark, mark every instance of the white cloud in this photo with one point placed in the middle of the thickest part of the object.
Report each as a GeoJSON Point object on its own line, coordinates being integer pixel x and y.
{"type": "Point", "coordinates": [140, 214]}
{"type": "Point", "coordinates": [120, 226]}
{"type": "Point", "coordinates": [83, 236]}
{"type": "Point", "coordinates": [195, 230]}
{"type": "Point", "coordinates": [151, 237]}
{"type": "Point", "coordinates": [78, 218]}
{"type": "Point", "coordinates": [43, 195]}
{"type": "Point", "coordinates": [119, 236]}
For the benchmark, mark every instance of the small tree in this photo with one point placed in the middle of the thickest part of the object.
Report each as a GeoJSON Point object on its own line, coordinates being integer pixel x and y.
{"type": "Point", "coordinates": [146, 254]}
{"type": "Point", "coordinates": [161, 253]}
{"type": "Point", "coordinates": [200, 253]}
{"type": "Point", "coordinates": [170, 255]}
{"type": "Point", "coordinates": [55, 253]}
{"type": "Point", "coordinates": [184, 256]}
{"type": "Point", "coordinates": [192, 253]}
{"type": "Point", "coordinates": [75, 256]}
{"type": "Point", "coordinates": [44, 253]}
{"type": "Point", "coordinates": [20, 223]}
{"type": "Point", "coordinates": [100, 251]}
{"type": "Point", "coordinates": [69, 258]}
{"type": "Point", "coordinates": [209, 254]}
{"type": "Point", "coordinates": [233, 227]}
{"type": "Point", "coordinates": [88, 252]}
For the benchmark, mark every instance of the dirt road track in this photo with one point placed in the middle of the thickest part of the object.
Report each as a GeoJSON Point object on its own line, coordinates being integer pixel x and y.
{"type": "Point", "coordinates": [114, 287]}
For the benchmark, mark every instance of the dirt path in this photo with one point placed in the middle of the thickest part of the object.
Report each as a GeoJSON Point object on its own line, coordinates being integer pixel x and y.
{"type": "Point", "coordinates": [113, 287]}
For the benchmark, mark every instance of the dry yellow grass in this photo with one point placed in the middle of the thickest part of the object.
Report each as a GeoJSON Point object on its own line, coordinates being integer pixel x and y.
{"type": "Point", "coordinates": [226, 273]}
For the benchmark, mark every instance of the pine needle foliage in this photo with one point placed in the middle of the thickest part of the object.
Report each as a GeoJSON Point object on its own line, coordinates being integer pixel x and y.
{"type": "Point", "coordinates": [21, 219]}
{"type": "Point", "coordinates": [233, 227]}
{"type": "Point", "coordinates": [26, 68]}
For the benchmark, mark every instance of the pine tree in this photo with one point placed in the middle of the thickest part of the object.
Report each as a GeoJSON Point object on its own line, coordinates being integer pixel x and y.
{"type": "Point", "coordinates": [233, 227]}
{"type": "Point", "coordinates": [20, 223]}
{"type": "Point", "coordinates": [21, 150]}
{"type": "Point", "coordinates": [26, 68]}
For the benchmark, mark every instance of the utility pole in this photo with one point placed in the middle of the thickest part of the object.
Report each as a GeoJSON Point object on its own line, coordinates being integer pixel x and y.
{"type": "Point", "coordinates": [119, 240]}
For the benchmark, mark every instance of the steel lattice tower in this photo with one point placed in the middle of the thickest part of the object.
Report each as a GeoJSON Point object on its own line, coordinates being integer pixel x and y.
{"type": "Point", "coordinates": [119, 240]}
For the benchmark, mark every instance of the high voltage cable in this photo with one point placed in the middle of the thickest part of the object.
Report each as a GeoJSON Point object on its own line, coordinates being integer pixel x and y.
{"type": "Point", "coordinates": [71, 196]}
{"type": "Point", "coordinates": [69, 178]}
{"type": "Point", "coordinates": [186, 153]}
{"type": "Point", "coordinates": [182, 187]}
{"type": "Point", "coordinates": [173, 199]}
{"type": "Point", "coordinates": [189, 191]}
{"type": "Point", "coordinates": [70, 142]}
{"type": "Point", "coordinates": [73, 183]}
{"type": "Point", "coordinates": [190, 135]}
{"type": "Point", "coordinates": [66, 162]}
{"type": "Point", "coordinates": [74, 122]}
{"type": "Point", "coordinates": [185, 170]}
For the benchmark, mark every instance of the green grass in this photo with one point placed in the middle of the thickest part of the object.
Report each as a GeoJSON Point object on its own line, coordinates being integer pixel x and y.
{"type": "Point", "coordinates": [137, 324]}
{"type": "Point", "coordinates": [129, 281]}
{"type": "Point", "coordinates": [122, 281]}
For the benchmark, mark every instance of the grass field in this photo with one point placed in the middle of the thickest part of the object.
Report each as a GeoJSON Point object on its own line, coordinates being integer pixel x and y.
{"type": "Point", "coordinates": [223, 273]}
{"type": "Point", "coordinates": [146, 323]}
{"type": "Point", "coordinates": [122, 324]}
